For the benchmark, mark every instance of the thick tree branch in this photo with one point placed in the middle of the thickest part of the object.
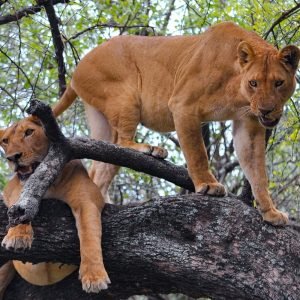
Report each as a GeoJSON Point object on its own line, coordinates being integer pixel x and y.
{"type": "Point", "coordinates": [192, 244]}
{"type": "Point", "coordinates": [25, 12]}
{"type": "Point", "coordinates": [62, 150]}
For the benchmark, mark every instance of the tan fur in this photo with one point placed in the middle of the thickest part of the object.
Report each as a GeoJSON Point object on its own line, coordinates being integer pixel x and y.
{"type": "Point", "coordinates": [74, 187]}
{"type": "Point", "coordinates": [167, 83]}
{"type": "Point", "coordinates": [7, 273]}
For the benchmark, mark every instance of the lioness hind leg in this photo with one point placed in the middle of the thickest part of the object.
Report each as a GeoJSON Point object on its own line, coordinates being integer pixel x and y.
{"type": "Point", "coordinates": [102, 175]}
{"type": "Point", "coordinates": [128, 120]}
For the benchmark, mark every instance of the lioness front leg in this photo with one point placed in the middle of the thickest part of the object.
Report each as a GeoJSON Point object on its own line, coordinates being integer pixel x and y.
{"type": "Point", "coordinates": [249, 143]}
{"type": "Point", "coordinates": [86, 208]}
{"type": "Point", "coordinates": [188, 129]}
{"type": "Point", "coordinates": [19, 237]}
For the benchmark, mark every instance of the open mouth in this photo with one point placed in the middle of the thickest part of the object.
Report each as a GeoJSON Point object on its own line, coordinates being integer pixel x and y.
{"type": "Point", "coordinates": [25, 171]}
{"type": "Point", "coordinates": [268, 123]}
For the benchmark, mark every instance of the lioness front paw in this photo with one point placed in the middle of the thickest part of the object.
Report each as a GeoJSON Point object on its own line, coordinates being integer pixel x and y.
{"type": "Point", "coordinates": [93, 278]}
{"type": "Point", "coordinates": [275, 217]}
{"type": "Point", "coordinates": [19, 237]}
{"type": "Point", "coordinates": [213, 189]}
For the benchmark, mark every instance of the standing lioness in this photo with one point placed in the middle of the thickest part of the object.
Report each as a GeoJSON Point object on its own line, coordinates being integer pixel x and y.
{"type": "Point", "coordinates": [176, 83]}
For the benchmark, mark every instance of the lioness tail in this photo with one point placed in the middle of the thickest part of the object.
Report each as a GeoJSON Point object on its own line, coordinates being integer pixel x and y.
{"type": "Point", "coordinates": [64, 102]}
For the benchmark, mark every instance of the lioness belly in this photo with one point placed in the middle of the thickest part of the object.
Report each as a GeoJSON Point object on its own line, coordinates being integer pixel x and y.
{"type": "Point", "coordinates": [157, 116]}
{"type": "Point", "coordinates": [43, 273]}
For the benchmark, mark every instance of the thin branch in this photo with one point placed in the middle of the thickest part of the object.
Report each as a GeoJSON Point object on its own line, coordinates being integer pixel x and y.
{"type": "Point", "coordinates": [25, 12]}
{"type": "Point", "coordinates": [19, 68]}
{"type": "Point", "coordinates": [192, 8]}
{"type": "Point", "coordinates": [168, 15]}
{"type": "Point", "coordinates": [3, 2]}
{"type": "Point", "coordinates": [58, 44]}
{"type": "Point", "coordinates": [173, 139]}
{"type": "Point", "coordinates": [285, 15]}
{"type": "Point", "coordinates": [286, 186]}
{"type": "Point", "coordinates": [108, 25]}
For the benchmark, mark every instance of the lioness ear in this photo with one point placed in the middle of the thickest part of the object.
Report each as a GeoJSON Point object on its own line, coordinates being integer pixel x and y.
{"type": "Point", "coordinates": [290, 55]}
{"type": "Point", "coordinates": [245, 53]}
{"type": "Point", "coordinates": [35, 120]}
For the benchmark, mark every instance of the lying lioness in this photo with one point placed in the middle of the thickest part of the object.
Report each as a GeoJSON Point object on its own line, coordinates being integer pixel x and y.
{"type": "Point", "coordinates": [25, 146]}
{"type": "Point", "coordinates": [176, 83]}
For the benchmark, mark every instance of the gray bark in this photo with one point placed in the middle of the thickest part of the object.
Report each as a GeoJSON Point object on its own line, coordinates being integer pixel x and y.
{"type": "Point", "coordinates": [191, 244]}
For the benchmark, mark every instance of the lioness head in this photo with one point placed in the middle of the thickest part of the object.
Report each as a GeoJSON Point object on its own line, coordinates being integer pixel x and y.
{"type": "Point", "coordinates": [25, 145]}
{"type": "Point", "coordinates": [268, 79]}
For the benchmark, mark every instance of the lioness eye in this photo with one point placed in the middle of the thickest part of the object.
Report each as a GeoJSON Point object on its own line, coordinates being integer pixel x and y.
{"type": "Point", "coordinates": [29, 132]}
{"type": "Point", "coordinates": [279, 83]}
{"type": "Point", "coordinates": [253, 83]}
{"type": "Point", "coordinates": [5, 141]}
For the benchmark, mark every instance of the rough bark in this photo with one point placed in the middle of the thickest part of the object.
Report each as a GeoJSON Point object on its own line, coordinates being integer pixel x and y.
{"type": "Point", "coordinates": [191, 244]}
{"type": "Point", "coordinates": [63, 149]}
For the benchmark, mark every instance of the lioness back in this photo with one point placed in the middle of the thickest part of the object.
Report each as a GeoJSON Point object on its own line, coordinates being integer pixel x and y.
{"type": "Point", "coordinates": [143, 71]}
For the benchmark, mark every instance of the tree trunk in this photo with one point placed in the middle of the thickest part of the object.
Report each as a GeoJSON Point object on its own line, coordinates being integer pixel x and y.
{"type": "Point", "coordinates": [191, 244]}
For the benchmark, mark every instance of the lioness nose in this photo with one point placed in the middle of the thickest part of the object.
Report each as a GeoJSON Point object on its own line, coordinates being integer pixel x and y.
{"type": "Point", "coordinates": [265, 112]}
{"type": "Point", "coordinates": [14, 157]}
